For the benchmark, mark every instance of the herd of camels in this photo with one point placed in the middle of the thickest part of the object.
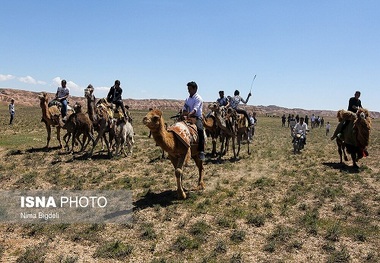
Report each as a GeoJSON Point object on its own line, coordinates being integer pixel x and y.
{"type": "Point", "coordinates": [224, 124]}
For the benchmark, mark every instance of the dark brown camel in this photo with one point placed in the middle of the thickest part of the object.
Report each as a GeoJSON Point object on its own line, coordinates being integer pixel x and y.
{"type": "Point", "coordinates": [355, 135]}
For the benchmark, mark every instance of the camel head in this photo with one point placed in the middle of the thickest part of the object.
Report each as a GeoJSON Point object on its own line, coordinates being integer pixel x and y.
{"type": "Point", "coordinates": [153, 119]}
{"type": "Point", "coordinates": [77, 107]}
{"type": "Point", "coordinates": [214, 106]}
{"type": "Point", "coordinates": [43, 98]}
{"type": "Point", "coordinates": [88, 91]}
{"type": "Point", "coordinates": [362, 113]}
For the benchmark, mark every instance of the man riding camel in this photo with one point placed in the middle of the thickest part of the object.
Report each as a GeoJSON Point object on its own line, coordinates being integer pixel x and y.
{"type": "Point", "coordinates": [234, 101]}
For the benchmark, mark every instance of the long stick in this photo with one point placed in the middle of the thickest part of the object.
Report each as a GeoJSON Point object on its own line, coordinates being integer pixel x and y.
{"type": "Point", "coordinates": [252, 83]}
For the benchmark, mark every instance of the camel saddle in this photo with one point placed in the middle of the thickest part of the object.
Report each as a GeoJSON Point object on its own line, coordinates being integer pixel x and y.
{"type": "Point", "coordinates": [186, 132]}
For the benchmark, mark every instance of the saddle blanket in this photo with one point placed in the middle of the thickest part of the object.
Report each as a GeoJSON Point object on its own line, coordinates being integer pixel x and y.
{"type": "Point", "coordinates": [187, 133]}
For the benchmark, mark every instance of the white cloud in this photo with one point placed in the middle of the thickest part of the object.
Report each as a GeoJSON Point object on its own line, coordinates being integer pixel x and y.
{"type": "Point", "coordinates": [102, 88]}
{"type": "Point", "coordinates": [6, 77]}
{"type": "Point", "coordinates": [31, 80]}
{"type": "Point", "coordinates": [70, 84]}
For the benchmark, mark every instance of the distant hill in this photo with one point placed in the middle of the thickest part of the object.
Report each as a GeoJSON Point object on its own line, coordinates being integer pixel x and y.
{"type": "Point", "coordinates": [30, 98]}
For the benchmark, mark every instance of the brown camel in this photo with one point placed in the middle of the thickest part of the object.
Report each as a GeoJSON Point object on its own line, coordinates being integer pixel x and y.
{"type": "Point", "coordinates": [242, 132]}
{"type": "Point", "coordinates": [176, 148]}
{"type": "Point", "coordinates": [78, 123]}
{"type": "Point", "coordinates": [100, 117]}
{"type": "Point", "coordinates": [212, 129]}
{"type": "Point", "coordinates": [355, 136]}
{"type": "Point", "coordinates": [227, 127]}
{"type": "Point", "coordinates": [51, 116]}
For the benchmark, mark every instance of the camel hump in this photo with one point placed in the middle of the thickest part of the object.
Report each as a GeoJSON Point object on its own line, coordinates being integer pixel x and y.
{"type": "Point", "coordinates": [104, 107]}
{"type": "Point", "coordinates": [242, 121]}
{"type": "Point", "coordinates": [54, 110]}
{"type": "Point", "coordinates": [187, 133]}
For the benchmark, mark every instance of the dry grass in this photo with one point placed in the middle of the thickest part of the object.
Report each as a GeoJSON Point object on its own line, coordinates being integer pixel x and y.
{"type": "Point", "coordinates": [270, 206]}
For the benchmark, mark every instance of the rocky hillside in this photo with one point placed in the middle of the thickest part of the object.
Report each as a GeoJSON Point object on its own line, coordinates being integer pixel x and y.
{"type": "Point", "coordinates": [30, 98]}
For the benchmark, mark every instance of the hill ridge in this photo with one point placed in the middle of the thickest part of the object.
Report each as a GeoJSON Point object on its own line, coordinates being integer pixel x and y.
{"type": "Point", "coordinates": [30, 98]}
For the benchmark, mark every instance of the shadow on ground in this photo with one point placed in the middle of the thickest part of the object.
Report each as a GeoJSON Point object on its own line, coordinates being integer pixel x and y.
{"type": "Point", "coordinates": [151, 199]}
{"type": "Point", "coordinates": [343, 167]}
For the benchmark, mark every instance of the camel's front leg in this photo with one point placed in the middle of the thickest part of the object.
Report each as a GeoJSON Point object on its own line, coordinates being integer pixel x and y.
{"type": "Point", "coordinates": [48, 129]}
{"type": "Point", "coordinates": [178, 165]}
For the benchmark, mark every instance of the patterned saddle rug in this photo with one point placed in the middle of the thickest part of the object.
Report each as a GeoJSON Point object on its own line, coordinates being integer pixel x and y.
{"type": "Point", "coordinates": [186, 132]}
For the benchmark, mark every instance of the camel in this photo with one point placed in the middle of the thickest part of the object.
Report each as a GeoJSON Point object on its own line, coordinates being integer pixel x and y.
{"type": "Point", "coordinates": [226, 125]}
{"type": "Point", "coordinates": [355, 136]}
{"type": "Point", "coordinates": [100, 117]}
{"type": "Point", "coordinates": [124, 134]}
{"type": "Point", "coordinates": [51, 116]}
{"type": "Point", "coordinates": [78, 123]}
{"type": "Point", "coordinates": [177, 149]}
{"type": "Point", "coordinates": [212, 129]}
{"type": "Point", "coordinates": [242, 132]}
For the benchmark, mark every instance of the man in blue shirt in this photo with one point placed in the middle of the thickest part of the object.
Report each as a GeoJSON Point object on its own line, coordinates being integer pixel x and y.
{"type": "Point", "coordinates": [222, 100]}
{"type": "Point", "coordinates": [193, 108]}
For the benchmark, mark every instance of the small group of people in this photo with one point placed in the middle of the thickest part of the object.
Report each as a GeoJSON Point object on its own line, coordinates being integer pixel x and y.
{"type": "Point", "coordinates": [234, 102]}
{"type": "Point", "coordinates": [193, 108]}
{"type": "Point", "coordinates": [114, 96]}
{"type": "Point", "coordinates": [194, 104]}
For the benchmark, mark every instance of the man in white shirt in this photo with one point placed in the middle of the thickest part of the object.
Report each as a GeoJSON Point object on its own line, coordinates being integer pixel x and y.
{"type": "Point", "coordinates": [301, 125]}
{"type": "Point", "coordinates": [62, 95]}
{"type": "Point", "coordinates": [193, 108]}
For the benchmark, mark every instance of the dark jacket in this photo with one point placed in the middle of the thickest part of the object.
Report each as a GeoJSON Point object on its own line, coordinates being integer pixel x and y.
{"type": "Point", "coordinates": [114, 94]}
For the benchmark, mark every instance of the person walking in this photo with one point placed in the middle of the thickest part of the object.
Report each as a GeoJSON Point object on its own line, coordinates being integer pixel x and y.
{"type": "Point", "coordinates": [328, 126]}
{"type": "Point", "coordinates": [193, 108]}
{"type": "Point", "coordinates": [11, 108]}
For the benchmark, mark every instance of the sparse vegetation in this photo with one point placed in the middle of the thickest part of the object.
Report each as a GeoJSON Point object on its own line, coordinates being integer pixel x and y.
{"type": "Point", "coordinates": [271, 206]}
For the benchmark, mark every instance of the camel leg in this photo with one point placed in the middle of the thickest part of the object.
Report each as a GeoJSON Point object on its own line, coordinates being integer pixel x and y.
{"type": "Point", "coordinates": [73, 141]}
{"type": "Point", "coordinates": [59, 136]}
{"type": "Point", "coordinates": [199, 164]}
{"type": "Point", "coordinates": [90, 138]}
{"type": "Point", "coordinates": [249, 151]}
{"type": "Point", "coordinates": [178, 165]}
{"type": "Point", "coordinates": [66, 139]}
{"type": "Point", "coordinates": [233, 146]}
{"type": "Point", "coordinates": [213, 153]}
{"type": "Point", "coordinates": [340, 152]}
{"type": "Point", "coordinates": [354, 160]}
{"type": "Point", "coordinates": [48, 129]}
{"type": "Point", "coordinates": [344, 153]}
{"type": "Point", "coordinates": [238, 140]}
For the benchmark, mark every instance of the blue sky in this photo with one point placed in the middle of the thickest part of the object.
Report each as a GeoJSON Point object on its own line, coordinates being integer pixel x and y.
{"type": "Point", "coordinates": [306, 54]}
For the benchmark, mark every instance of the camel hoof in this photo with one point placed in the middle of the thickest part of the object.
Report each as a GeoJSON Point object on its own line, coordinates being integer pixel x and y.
{"type": "Point", "coordinates": [201, 186]}
{"type": "Point", "coordinates": [181, 195]}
